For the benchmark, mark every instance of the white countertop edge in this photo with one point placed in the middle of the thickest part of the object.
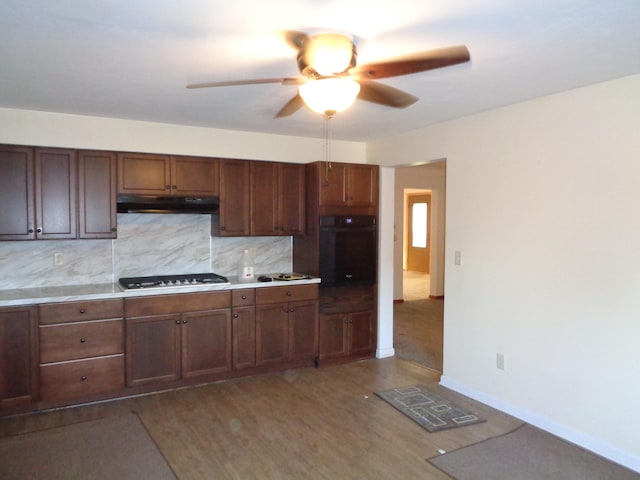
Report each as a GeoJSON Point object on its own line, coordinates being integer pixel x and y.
{"type": "Point", "coordinates": [70, 293]}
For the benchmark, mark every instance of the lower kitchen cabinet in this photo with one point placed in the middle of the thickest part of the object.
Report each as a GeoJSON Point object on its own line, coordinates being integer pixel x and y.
{"type": "Point", "coordinates": [18, 355]}
{"type": "Point", "coordinates": [169, 337]}
{"type": "Point", "coordinates": [81, 349]}
{"type": "Point", "coordinates": [286, 330]}
{"type": "Point", "coordinates": [243, 326]}
{"type": "Point", "coordinates": [347, 334]}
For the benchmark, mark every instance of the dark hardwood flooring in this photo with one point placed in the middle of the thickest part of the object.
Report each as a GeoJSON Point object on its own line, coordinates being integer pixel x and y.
{"type": "Point", "coordinates": [323, 423]}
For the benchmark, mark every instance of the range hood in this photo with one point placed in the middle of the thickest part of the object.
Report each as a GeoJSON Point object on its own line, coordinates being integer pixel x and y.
{"type": "Point", "coordinates": [166, 204]}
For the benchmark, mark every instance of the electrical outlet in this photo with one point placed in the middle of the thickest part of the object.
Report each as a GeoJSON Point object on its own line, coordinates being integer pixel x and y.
{"type": "Point", "coordinates": [500, 361]}
{"type": "Point", "coordinates": [58, 259]}
{"type": "Point", "coordinates": [457, 257]}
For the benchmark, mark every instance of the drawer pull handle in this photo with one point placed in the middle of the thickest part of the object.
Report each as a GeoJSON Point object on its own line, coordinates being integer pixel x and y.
{"type": "Point", "coordinates": [82, 340]}
{"type": "Point", "coordinates": [177, 322]}
{"type": "Point", "coordinates": [235, 315]}
{"type": "Point", "coordinates": [83, 378]}
{"type": "Point", "coordinates": [289, 294]}
{"type": "Point", "coordinates": [82, 310]}
{"type": "Point", "coordinates": [185, 321]}
{"type": "Point", "coordinates": [244, 297]}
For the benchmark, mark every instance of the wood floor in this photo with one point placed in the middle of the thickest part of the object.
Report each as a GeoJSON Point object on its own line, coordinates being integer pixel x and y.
{"type": "Point", "coordinates": [323, 423]}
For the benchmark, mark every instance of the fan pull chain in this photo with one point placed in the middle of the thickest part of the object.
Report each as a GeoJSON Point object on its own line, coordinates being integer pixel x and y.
{"type": "Point", "coordinates": [326, 148]}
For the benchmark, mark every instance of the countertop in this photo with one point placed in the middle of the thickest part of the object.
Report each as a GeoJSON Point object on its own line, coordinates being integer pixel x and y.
{"type": "Point", "coordinates": [69, 293]}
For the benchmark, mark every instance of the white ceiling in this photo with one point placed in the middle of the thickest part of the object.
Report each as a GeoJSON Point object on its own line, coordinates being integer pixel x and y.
{"type": "Point", "coordinates": [132, 58]}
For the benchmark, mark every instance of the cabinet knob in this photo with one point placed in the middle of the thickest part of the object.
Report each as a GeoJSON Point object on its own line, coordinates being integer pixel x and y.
{"type": "Point", "coordinates": [167, 187]}
{"type": "Point", "coordinates": [174, 187]}
{"type": "Point", "coordinates": [113, 229]}
{"type": "Point", "coordinates": [177, 322]}
{"type": "Point", "coordinates": [235, 315]}
{"type": "Point", "coordinates": [82, 310]}
{"type": "Point", "coordinates": [39, 230]}
{"type": "Point", "coordinates": [244, 297]}
{"type": "Point", "coordinates": [222, 228]}
{"type": "Point", "coordinates": [82, 340]}
{"type": "Point", "coordinates": [185, 321]}
{"type": "Point", "coordinates": [30, 230]}
{"type": "Point", "coordinates": [83, 378]}
{"type": "Point", "coordinates": [289, 294]}
{"type": "Point", "coordinates": [291, 310]}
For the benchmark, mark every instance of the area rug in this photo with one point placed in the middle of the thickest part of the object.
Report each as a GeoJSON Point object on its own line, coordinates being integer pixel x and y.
{"type": "Point", "coordinates": [428, 409]}
{"type": "Point", "coordinates": [110, 448]}
{"type": "Point", "coordinates": [528, 453]}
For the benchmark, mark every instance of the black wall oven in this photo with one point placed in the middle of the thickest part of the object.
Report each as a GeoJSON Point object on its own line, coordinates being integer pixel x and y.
{"type": "Point", "coordinates": [348, 250]}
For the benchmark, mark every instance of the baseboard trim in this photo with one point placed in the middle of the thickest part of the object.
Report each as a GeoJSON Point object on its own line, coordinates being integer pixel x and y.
{"type": "Point", "coordinates": [588, 442]}
{"type": "Point", "coordinates": [385, 352]}
{"type": "Point", "coordinates": [436, 297]}
{"type": "Point", "coordinates": [400, 300]}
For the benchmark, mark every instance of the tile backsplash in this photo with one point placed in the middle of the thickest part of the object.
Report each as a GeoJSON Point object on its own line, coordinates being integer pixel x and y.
{"type": "Point", "coordinates": [158, 244]}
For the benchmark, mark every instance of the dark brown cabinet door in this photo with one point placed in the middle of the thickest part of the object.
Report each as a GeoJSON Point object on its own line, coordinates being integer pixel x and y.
{"type": "Point", "coordinates": [291, 210]}
{"type": "Point", "coordinates": [303, 330]}
{"type": "Point", "coordinates": [233, 218]}
{"type": "Point", "coordinates": [153, 349]}
{"type": "Point", "coordinates": [362, 185]}
{"type": "Point", "coordinates": [361, 333]}
{"type": "Point", "coordinates": [206, 343]}
{"type": "Point", "coordinates": [17, 213]}
{"type": "Point", "coordinates": [347, 185]}
{"type": "Point", "coordinates": [195, 176]}
{"type": "Point", "coordinates": [334, 335]}
{"type": "Point", "coordinates": [272, 332]}
{"type": "Point", "coordinates": [333, 184]}
{"type": "Point", "coordinates": [277, 198]}
{"type": "Point", "coordinates": [265, 198]}
{"type": "Point", "coordinates": [18, 356]}
{"type": "Point", "coordinates": [96, 194]}
{"type": "Point", "coordinates": [244, 337]}
{"type": "Point", "coordinates": [146, 174]}
{"type": "Point", "coordinates": [55, 188]}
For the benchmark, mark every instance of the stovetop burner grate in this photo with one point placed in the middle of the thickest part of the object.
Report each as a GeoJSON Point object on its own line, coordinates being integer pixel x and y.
{"type": "Point", "coordinates": [130, 283]}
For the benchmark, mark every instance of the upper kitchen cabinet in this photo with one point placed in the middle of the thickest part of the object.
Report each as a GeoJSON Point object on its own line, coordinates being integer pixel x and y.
{"type": "Point", "coordinates": [17, 213]}
{"type": "Point", "coordinates": [96, 194]}
{"type": "Point", "coordinates": [37, 193]}
{"type": "Point", "coordinates": [150, 174]}
{"type": "Point", "coordinates": [233, 218]}
{"type": "Point", "coordinates": [277, 198]}
{"type": "Point", "coordinates": [346, 188]}
{"type": "Point", "coordinates": [56, 184]}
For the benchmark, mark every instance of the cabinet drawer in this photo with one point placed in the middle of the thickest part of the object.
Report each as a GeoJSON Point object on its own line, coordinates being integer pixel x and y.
{"type": "Point", "coordinates": [179, 303]}
{"type": "Point", "coordinates": [78, 378]}
{"type": "Point", "coordinates": [243, 297]}
{"type": "Point", "coordinates": [79, 311]}
{"type": "Point", "coordinates": [286, 293]}
{"type": "Point", "coordinates": [79, 340]}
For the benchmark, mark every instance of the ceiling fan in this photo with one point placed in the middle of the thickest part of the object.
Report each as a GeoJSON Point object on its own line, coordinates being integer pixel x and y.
{"type": "Point", "coordinates": [331, 79]}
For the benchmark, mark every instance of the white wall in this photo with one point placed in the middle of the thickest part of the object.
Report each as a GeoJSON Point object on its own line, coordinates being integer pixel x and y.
{"type": "Point", "coordinates": [430, 177]}
{"type": "Point", "coordinates": [26, 127]}
{"type": "Point", "coordinates": [542, 199]}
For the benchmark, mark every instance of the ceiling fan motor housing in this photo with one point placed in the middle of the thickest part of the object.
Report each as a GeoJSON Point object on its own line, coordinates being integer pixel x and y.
{"type": "Point", "coordinates": [316, 48]}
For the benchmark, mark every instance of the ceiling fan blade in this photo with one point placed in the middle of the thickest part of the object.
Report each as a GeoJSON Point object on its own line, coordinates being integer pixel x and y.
{"type": "Point", "coordinates": [418, 62]}
{"type": "Point", "coordinates": [382, 94]}
{"type": "Point", "coordinates": [291, 107]}
{"type": "Point", "coordinates": [233, 83]}
{"type": "Point", "coordinates": [295, 39]}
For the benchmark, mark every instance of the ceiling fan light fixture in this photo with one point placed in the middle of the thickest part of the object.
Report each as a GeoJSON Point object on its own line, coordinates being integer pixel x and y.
{"type": "Point", "coordinates": [330, 54]}
{"type": "Point", "coordinates": [329, 95]}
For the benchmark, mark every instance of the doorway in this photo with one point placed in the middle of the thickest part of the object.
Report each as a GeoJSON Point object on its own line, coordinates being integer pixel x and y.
{"type": "Point", "coordinates": [418, 314]}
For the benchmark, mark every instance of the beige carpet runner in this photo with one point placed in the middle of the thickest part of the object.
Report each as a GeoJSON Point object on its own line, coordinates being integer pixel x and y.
{"type": "Point", "coordinates": [111, 448]}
